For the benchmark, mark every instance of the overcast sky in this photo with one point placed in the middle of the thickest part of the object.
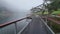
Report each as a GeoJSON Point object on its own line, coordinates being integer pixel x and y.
{"type": "Point", "coordinates": [21, 4]}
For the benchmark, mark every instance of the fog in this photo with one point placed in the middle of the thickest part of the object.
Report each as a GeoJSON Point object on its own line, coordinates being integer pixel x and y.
{"type": "Point", "coordinates": [17, 8]}
{"type": "Point", "coordinates": [18, 5]}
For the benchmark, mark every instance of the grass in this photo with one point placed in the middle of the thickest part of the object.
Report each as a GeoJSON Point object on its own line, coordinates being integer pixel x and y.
{"type": "Point", "coordinates": [55, 12]}
{"type": "Point", "coordinates": [46, 12]}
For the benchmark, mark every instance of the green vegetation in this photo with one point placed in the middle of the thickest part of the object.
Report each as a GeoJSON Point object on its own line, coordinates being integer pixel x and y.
{"type": "Point", "coordinates": [38, 13]}
{"type": "Point", "coordinates": [55, 27]}
{"type": "Point", "coordinates": [56, 12]}
{"type": "Point", "coordinates": [54, 5]}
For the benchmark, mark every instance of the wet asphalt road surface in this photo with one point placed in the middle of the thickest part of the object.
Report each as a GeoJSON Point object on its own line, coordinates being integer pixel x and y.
{"type": "Point", "coordinates": [35, 27]}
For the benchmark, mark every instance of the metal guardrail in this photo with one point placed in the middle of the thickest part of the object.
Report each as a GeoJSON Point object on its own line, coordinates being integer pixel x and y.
{"type": "Point", "coordinates": [15, 22]}
{"type": "Point", "coordinates": [6, 24]}
{"type": "Point", "coordinates": [49, 30]}
{"type": "Point", "coordinates": [55, 16]}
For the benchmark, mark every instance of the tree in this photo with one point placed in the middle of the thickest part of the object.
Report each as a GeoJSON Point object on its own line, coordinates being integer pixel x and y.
{"type": "Point", "coordinates": [54, 5]}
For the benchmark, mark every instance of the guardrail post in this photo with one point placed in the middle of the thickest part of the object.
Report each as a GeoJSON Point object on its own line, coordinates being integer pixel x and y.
{"type": "Point", "coordinates": [15, 28]}
{"type": "Point", "coordinates": [46, 18]}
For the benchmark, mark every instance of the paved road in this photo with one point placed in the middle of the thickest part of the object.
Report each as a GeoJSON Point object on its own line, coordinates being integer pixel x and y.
{"type": "Point", "coordinates": [35, 27]}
